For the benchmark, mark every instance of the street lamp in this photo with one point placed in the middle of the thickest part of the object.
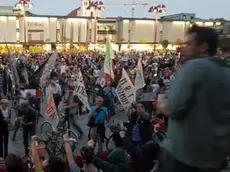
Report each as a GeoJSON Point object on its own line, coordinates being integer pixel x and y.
{"type": "Point", "coordinates": [159, 9]}
{"type": "Point", "coordinates": [23, 5]}
{"type": "Point", "coordinates": [96, 6]}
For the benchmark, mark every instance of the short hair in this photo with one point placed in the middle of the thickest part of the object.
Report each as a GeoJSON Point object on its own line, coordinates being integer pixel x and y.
{"type": "Point", "coordinates": [14, 163]}
{"type": "Point", "coordinates": [99, 97]}
{"type": "Point", "coordinates": [28, 94]}
{"type": "Point", "coordinates": [56, 164]}
{"type": "Point", "coordinates": [206, 35]}
{"type": "Point", "coordinates": [87, 154]}
{"type": "Point", "coordinates": [4, 101]}
{"type": "Point", "coordinates": [24, 104]}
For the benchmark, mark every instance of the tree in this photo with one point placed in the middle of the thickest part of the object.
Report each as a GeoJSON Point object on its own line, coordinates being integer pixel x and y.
{"type": "Point", "coordinates": [178, 42]}
{"type": "Point", "coordinates": [144, 40]}
{"type": "Point", "coordinates": [165, 43]}
{"type": "Point", "coordinates": [224, 44]}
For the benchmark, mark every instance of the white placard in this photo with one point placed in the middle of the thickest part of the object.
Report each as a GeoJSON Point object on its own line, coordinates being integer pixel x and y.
{"type": "Point", "coordinates": [125, 90]}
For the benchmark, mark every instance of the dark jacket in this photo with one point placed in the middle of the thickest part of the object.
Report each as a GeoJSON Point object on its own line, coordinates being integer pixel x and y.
{"type": "Point", "coordinates": [199, 124]}
{"type": "Point", "coordinates": [33, 102]}
{"type": "Point", "coordinates": [3, 124]}
{"type": "Point", "coordinates": [30, 116]}
{"type": "Point", "coordinates": [145, 127]}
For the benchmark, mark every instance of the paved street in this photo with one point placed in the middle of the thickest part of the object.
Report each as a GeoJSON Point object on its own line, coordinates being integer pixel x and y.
{"type": "Point", "coordinates": [18, 148]}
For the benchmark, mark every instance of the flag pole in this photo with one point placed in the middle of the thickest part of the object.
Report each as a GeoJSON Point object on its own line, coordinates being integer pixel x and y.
{"type": "Point", "coordinates": [110, 74]}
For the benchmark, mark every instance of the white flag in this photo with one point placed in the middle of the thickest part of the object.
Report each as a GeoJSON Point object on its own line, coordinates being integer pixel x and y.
{"type": "Point", "coordinates": [139, 79]}
{"type": "Point", "coordinates": [80, 90]}
{"type": "Point", "coordinates": [125, 90]}
{"type": "Point", "coordinates": [50, 107]}
{"type": "Point", "coordinates": [108, 67]}
{"type": "Point", "coordinates": [47, 71]}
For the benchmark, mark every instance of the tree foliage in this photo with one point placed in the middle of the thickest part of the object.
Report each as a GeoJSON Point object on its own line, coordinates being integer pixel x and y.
{"type": "Point", "coordinates": [165, 43]}
{"type": "Point", "coordinates": [144, 40]}
{"type": "Point", "coordinates": [178, 42]}
{"type": "Point", "coordinates": [224, 44]}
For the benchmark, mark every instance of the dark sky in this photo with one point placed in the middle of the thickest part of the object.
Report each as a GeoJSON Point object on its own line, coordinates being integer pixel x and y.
{"type": "Point", "coordinates": [203, 8]}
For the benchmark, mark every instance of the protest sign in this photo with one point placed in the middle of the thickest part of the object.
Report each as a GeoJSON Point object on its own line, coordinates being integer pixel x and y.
{"type": "Point", "coordinates": [125, 90]}
{"type": "Point", "coordinates": [80, 90]}
{"type": "Point", "coordinates": [139, 79]}
{"type": "Point", "coordinates": [47, 71]}
{"type": "Point", "coordinates": [108, 68]}
{"type": "Point", "coordinates": [51, 108]}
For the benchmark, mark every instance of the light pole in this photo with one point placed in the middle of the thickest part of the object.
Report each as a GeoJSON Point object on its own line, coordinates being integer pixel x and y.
{"type": "Point", "coordinates": [159, 9]}
{"type": "Point", "coordinates": [23, 5]}
{"type": "Point", "coordinates": [96, 6]}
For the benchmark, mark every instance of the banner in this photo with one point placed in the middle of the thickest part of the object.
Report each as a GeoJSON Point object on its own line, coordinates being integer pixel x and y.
{"type": "Point", "coordinates": [125, 90]}
{"type": "Point", "coordinates": [51, 108]}
{"type": "Point", "coordinates": [108, 66]}
{"type": "Point", "coordinates": [80, 90]}
{"type": "Point", "coordinates": [139, 78]}
{"type": "Point", "coordinates": [47, 71]}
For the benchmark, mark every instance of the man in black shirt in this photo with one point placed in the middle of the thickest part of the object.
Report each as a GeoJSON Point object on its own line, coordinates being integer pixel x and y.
{"type": "Point", "coordinates": [28, 123]}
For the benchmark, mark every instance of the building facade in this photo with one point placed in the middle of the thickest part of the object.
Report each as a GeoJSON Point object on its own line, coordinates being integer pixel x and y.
{"type": "Point", "coordinates": [39, 29]}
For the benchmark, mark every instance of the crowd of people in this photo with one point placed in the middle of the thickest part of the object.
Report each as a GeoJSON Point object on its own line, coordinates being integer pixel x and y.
{"type": "Point", "coordinates": [179, 121]}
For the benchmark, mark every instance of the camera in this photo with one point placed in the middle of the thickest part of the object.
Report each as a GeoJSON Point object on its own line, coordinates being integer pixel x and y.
{"type": "Point", "coordinates": [98, 110]}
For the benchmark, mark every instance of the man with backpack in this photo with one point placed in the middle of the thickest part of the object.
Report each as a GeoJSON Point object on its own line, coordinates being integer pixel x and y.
{"type": "Point", "coordinates": [97, 116]}
{"type": "Point", "coordinates": [109, 98]}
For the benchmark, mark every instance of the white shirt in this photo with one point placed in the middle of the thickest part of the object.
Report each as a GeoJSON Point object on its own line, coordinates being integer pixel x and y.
{"type": "Point", "coordinates": [5, 112]}
{"type": "Point", "coordinates": [23, 94]}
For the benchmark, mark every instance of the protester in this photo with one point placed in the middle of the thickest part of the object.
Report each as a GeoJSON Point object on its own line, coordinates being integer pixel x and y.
{"type": "Point", "coordinates": [139, 128]}
{"type": "Point", "coordinates": [97, 116]}
{"type": "Point", "coordinates": [109, 98]}
{"type": "Point", "coordinates": [71, 108]}
{"type": "Point", "coordinates": [4, 132]}
{"type": "Point", "coordinates": [28, 123]}
{"type": "Point", "coordinates": [14, 163]}
{"type": "Point", "coordinates": [197, 107]}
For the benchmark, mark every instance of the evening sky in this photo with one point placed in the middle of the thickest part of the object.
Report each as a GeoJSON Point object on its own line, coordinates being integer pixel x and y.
{"type": "Point", "coordinates": [203, 8]}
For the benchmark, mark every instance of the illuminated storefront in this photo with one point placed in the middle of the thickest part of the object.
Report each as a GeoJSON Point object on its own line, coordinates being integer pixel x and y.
{"type": "Point", "coordinates": [62, 33]}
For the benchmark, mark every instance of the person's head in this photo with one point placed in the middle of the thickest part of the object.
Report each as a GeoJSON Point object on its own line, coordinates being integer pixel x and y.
{"type": "Point", "coordinates": [54, 76]}
{"type": "Point", "coordinates": [24, 106]}
{"type": "Point", "coordinates": [87, 154]}
{"type": "Point", "coordinates": [139, 107]}
{"type": "Point", "coordinates": [109, 84]}
{"type": "Point", "coordinates": [14, 163]}
{"type": "Point", "coordinates": [56, 164]}
{"type": "Point", "coordinates": [201, 41]}
{"type": "Point", "coordinates": [99, 101]}
{"type": "Point", "coordinates": [4, 103]}
{"type": "Point", "coordinates": [28, 95]}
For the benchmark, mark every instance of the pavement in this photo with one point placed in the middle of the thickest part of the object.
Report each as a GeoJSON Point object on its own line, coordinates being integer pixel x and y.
{"type": "Point", "coordinates": [18, 148]}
